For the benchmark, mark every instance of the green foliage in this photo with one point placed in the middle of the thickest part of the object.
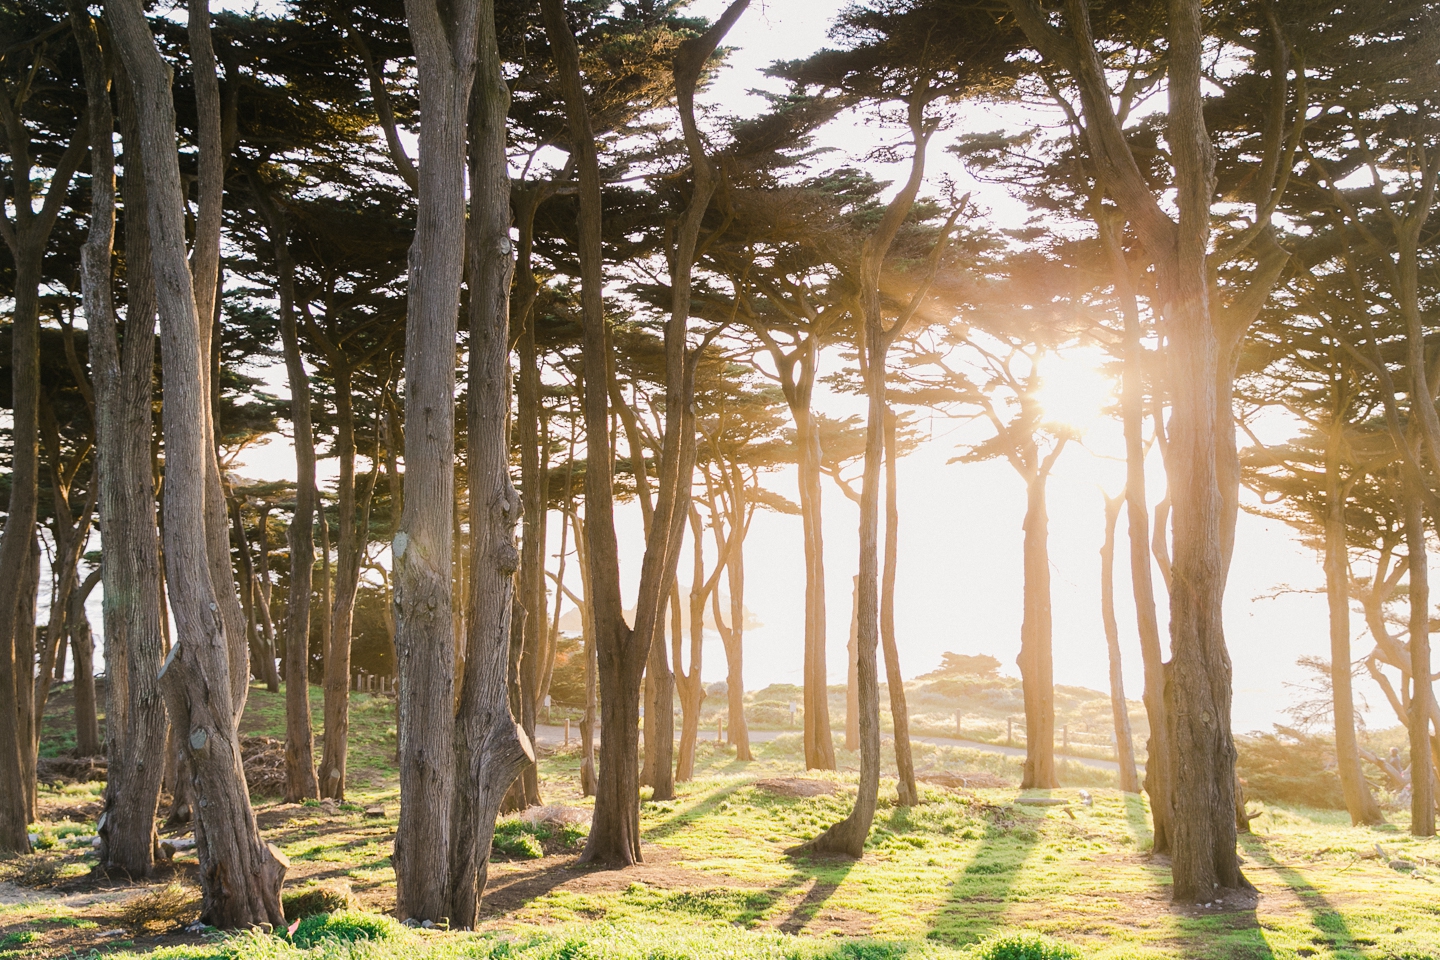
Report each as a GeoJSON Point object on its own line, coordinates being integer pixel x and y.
{"type": "Point", "coordinates": [346, 926]}
{"type": "Point", "coordinates": [310, 901]}
{"type": "Point", "coordinates": [965, 665]}
{"type": "Point", "coordinates": [1288, 766]}
{"type": "Point", "coordinates": [516, 838]}
{"type": "Point", "coordinates": [1024, 946]}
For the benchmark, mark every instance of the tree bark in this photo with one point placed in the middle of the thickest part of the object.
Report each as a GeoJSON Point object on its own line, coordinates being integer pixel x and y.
{"type": "Point", "coordinates": [534, 480]}
{"type": "Point", "coordinates": [737, 731]}
{"type": "Point", "coordinates": [25, 650]}
{"type": "Point", "coordinates": [87, 723]}
{"type": "Point", "coordinates": [240, 875]}
{"type": "Point", "coordinates": [1422, 768]}
{"type": "Point", "coordinates": [659, 716]}
{"type": "Point", "coordinates": [818, 743]}
{"type": "Point", "coordinates": [122, 377]}
{"type": "Point", "coordinates": [852, 682]}
{"type": "Point", "coordinates": [1142, 581]}
{"type": "Point", "coordinates": [1359, 801]}
{"type": "Point", "coordinates": [489, 747]}
{"type": "Point", "coordinates": [1036, 660]}
{"type": "Point", "coordinates": [445, 38]}
{"type": "Point", "coordinates": [908, 792]}
{"type": "Point", "coordinates": [687, 682]}
{"type": "Point", "coordinates": [1119, 710]}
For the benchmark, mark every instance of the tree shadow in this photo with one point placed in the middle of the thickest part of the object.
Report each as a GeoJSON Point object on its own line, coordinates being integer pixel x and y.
{"type": "Point", "coordinates": [827, 873]}
{"type": "Point", "coordinates": [1332, 930]}
{"type": "Point", "coordinates": [683, 818]}
{"type": "Point", "coordinates": [980, 893]}
{"type": "Point", "coordinates": [1137, 821]}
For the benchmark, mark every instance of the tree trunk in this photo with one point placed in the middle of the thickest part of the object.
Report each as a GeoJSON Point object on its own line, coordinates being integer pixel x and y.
{"type": "Point", "coordinates": [240, 875]}
{"type": "Point", "coordinates": [444, 37]}
{"type": "Point", "coordinates": [660, 714]}
{"type": "Point", "coordinates": [1036, 659]}
{"type": "Point", "coordinates": [1119, 709]}
{"type": "Point", "coordinates": [87, 724]}
{"type": "Point", "coordinates": [1422, 775]}
{"type": "Point", "coordinates": [489, 748]}
{"type": "Point", "coordinates": [687, 682]}
{"type": "Point", "coordinates": [134, 601]}
{"type": "Point", "coordinates": [1142, 582]}
{"type": "Point", "coordinates": [350, 551]}
{"type": "Point", "coordinates": [1358, 799]}
{"type": "Point", "coordinates": [852, 659]}
{"type": "Point", "coordinates": [908, 792]}
{"type": "Point", "coordinates": [262, 655]}
{"type": "Point", "coordinates": [733, 637]}
{"type": "Point", "coordinates": [25, 599]}
{"type": "Point", "coordinates": [818, 743]}
{"type": "Point", "coordinates": [534, 480]}
{"type": "Point", "coordinates": [300, 780]}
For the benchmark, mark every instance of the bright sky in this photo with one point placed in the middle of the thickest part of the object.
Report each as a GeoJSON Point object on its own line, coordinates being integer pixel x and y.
{"type": "Point", "coordinates": [959, 584]}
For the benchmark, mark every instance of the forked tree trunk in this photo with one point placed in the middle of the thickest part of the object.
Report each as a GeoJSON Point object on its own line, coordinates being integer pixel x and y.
{"type": "Point", "coordinates": [82, 640]}
{"type": "Point", "coordinates": [1119, 710]}
{"type": "Point", "coordinates": [1359, 801]}
{"type": "Point", "coordinates": [737, 731]}
{"type": "Point", "coordinates": [240, 874]}
{"type": "Point", "coordinates": [1422, 775]}
{"type": "Point", "coordinates": [817, 740]}
{"type": "Point", "coordinates": [489, 748]}
{"type": "Point", "coordinates": [134, 603]}
{"type": "Point", "coordinates": [908, 792]}
{"type": "Point", "coordinates": [444, 37]}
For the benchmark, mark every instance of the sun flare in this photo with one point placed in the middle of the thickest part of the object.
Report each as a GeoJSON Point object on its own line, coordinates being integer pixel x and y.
{"type": "Point", "coordinates": [1074, 389]}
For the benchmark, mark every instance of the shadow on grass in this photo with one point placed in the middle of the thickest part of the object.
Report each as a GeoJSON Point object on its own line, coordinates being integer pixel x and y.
{"type": "Point", "coordinates": [1137, 821]}
{"type": "Point", "coordinates": [695, 811]}
{"type": "Point", "coordinates": [979, 894]}
{"type": "Point", "coordinates": [1332, 932]}
{"type": "Point", "coordinates": [828, 873]}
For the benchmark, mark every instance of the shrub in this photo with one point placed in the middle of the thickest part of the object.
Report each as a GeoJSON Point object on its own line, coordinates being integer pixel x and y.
{"type": "Point", "coordinates": [1024, 946]}
{"type": "Point", "coordinates": [1289, 766]}
{"type": "Point", "coordinates": [516, 838]}
{"type": "Point", "coordinates": [309, 901]}
{"type": "Point", "coordinates": [347, 926]}
{"type": "Point", "coordinates": [161, 910]}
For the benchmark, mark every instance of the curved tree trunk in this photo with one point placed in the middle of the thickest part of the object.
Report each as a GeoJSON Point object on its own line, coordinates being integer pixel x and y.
{"type": "Point", "coordinates": [134, 602]}
{"type": "Point", "coordinates": [240, 874]}
{"type": "Point", "coordinates": [1422, 775]}
{"type": "Point", "coordinates": [908, 792]}
{"type": "Point", "coordinates": [87, 723]}
{"type": "Point", "coordinates": [818, 742]}
{"type": "Point", "coordinates": [1119, 710]}
{"type": "Point", "coordinates": [489, 748]}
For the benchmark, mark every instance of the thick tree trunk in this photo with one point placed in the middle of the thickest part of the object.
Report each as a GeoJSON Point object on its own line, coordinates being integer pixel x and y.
{"type": "Point", "coordinates": [1422, 775]}
{"type": "Point", "coordinates": [240, 875]}
{"type": "Point", "coordinates": [1359, 801]}
{"type": "Point", "coordinates": [660, 714]}
{"type": "Point", "coordinates": [1142, 581]}
{"type": "Point", "coordinates": [489, 748]}
{"type": "Point", "coordinates": [134, 602]}
{"type": "Point", "coordinates": [908, 792]}
{"type": "Point", "coordinates": [82, 640]}
{"type": "Point", "coordinates": [444, 37]}
{"type": "Point", "coordinates": [25, 650]}
{"type": "Point", "coordinates": [1036, 660]}
{"type": "Point", "coordinates": [1119, 709]}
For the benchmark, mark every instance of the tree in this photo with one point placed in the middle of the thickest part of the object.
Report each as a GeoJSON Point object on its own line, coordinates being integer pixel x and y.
{"type": "Point", "coordinates": [240, 874]}
{"type": "Point", "coordinates": [1124, 747]}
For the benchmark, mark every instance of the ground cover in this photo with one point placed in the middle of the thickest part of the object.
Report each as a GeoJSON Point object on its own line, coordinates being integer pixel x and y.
{"type": "Point", "coordinates": [965, 873]}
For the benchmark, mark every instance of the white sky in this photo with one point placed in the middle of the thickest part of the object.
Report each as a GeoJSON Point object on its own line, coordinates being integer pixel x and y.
{"type": "Point", "coordinates": [959, 584]}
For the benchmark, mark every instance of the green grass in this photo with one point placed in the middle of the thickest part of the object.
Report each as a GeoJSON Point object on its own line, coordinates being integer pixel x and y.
{"type": "Point", "coordinates": [966, 875]}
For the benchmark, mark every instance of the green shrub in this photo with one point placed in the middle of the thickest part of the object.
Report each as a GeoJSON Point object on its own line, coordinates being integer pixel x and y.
{"type": "Point", "coordinates": [1289, 766]}
{"type": "Point", "coordinates": [309, 901]}
{"type": "Point", "coordinates": [1024, 946]}
{"type": "Point", "coordinates": [516, 838]}
{"type": "Point", "coordinates": [347, 926]}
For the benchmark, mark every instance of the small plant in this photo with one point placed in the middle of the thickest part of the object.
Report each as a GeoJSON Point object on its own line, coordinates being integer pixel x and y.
{"type": "Point", "coordinates": [516, 838]}
{"type": "Point", "coordinates": [309, 901]}
{"type": "Point", "coordinates": [160, 910]}
{"type": "Point", "coordinates": [346, 926]}
{"type": "Point", "coordinates": [1024, 946]}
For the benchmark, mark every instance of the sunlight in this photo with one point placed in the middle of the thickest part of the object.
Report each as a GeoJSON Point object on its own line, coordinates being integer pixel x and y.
{"type": "Point", "coordinates": [1074, 390]}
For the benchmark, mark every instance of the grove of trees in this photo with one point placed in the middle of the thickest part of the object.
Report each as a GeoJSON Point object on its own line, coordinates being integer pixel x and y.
{"type": "Point", "coordinates": [508, 267]}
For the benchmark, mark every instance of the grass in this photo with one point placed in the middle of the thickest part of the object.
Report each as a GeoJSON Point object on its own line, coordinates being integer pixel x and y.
{"type": "Point", "coordinates": [965, 875]}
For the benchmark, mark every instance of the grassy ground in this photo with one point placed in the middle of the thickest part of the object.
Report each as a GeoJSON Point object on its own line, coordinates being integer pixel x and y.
{"type": "Point", "coordinates": [966, 873]}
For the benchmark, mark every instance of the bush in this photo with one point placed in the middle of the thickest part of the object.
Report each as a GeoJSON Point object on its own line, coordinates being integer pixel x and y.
{"type": "Point", "coordinates": [1288, 766]}
{"type": "Point", "coordinates": [310, 901]}
{"type": "Point", "coordinates": [346, 926]}
{"type": "Point", "coordinates": [516, 838]}
{"type": "Point", "coordinates": [161, 910]}
{"type": "Point", "coordinates": [1024, 946]}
